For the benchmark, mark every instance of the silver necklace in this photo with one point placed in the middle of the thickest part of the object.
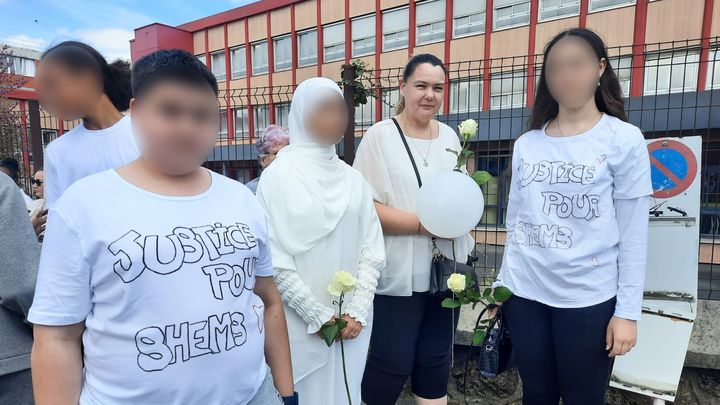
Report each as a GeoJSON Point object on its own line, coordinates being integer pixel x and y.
{"type": "Point", "coordinates": [427, 154]}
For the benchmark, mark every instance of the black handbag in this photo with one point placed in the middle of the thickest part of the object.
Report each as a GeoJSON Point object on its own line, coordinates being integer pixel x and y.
{"type": "Point", "coordinates": [495, 354]}
{"type": "Point", "coordinates": [441, 267]}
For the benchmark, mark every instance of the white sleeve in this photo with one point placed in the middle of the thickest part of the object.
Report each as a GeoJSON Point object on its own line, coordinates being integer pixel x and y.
{"type": "Point", "coordinates": [631, 175]}
{"type": "Point", "coordinates": [296, 294]}
{"type": "Point", "coordinates": [372, 260]}
{"type": "Point", "coordinates": [62, 294]}
{"type": "Point", "coordinates": [52, 187]}
{"type": "Point", "coordinates": [513, 205]}
{"type": "Point", "coordinates": [632, 219]}
{"type": "Point", "coordinates": [370, 161]}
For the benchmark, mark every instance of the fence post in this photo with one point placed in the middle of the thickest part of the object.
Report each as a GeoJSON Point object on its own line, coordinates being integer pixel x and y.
{"type": "Point", "coordinates": [36, 139]}
{"type": "Point", "coordinates": [348, 76]}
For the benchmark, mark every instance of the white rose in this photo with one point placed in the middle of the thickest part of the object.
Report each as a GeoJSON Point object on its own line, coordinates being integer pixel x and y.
{"type": "Point", "coordinates": [456, 282]}
{"type": "Point", "coordinates": [468, 128]}
{"type": "Point", "coordinates": [342, 282]}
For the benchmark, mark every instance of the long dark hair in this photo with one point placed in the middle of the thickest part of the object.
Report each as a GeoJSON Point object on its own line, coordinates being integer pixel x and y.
{"type": "Point", "coordinates": [410, 68]}
{"type": "Point", "coordinates": [115, 77]}
{"type": "Point", "coordinates": [608, 95]}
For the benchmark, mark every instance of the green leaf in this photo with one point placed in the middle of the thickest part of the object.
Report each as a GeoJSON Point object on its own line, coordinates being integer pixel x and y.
{"type": "Point", "coordinates": [469, 282]}
{"type": "Point", "coordinates": [341, 324]}
{"type": "Point", "coordinates": [450, 303]}
{"type": "Point", "coordinates": [481, 177]}
{"type": "Point", "coordinates": [452, 151]}
{"type": "Point", "coordinates": [486, 292]}
{"type": "Point", "coordinates": [329, 333]}
{"type": "Point", "coordinates": [478, 336]}
{"type": "Point", "coordinates": [491, 300]}
{"type": "Point", "coordinates": [502, 294]}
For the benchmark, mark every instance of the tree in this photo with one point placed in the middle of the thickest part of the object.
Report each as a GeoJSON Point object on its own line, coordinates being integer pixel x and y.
{"type": "Point", "coordinates": [10, 120]}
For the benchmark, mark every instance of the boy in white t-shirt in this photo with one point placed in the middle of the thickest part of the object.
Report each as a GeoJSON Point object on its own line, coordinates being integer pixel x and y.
{"type": "Point", "coordinates": [156, 276]}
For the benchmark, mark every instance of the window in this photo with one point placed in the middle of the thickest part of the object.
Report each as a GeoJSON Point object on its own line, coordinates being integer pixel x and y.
{"type": "Point", "coordinates": [713, 73]}
{"type": "Point", "coordinates": [307, 48]}
{"type": "Point", "coordinates": [223, 135]}
{"type": "Point", "coordinates": [507, 90]}
{"type": "Point", "coordinates": [20, 66]}
{"type": "Point", "coordinates": [334, 42]}
{"type": "Point", "coordinates": [465, 96]}
{"type": "Point", "coordinates": [390, 99]}
{"type": "Point", "coordinates": [511, 13]}
{"type": "Point", "coordinates": [282, 52]}
{"type": "Point", "coordinates": [202, 59]}
{"type": "Point", "coordinates": [671, 72]}
{"type": "Point", "coordinates": [364, 115]}
{"type": "Point", "coordinates": [217, 61]}
{"type": "Point", "coordinates": [550, 9]}
{"type": "Point", "coordinates": [262, 118]}
{"type": "Point", "coordinates": [430, 21]}
{"type": "Point", "coordinates": [622, 65]}
{"type": "Point", "coordinates": [242, 124]}
{"type": "Point", "coordinates": [282, 112]}
{"type": "Point", "coordinates": [363, 36]}
{"type": "Point", "coordinates": [603, 4]}
{"type": "Point", "coordinates": [468, 17]}
{"type": "Point", "coordinates": [237, 62]}
{"type": "Point", "coordinates": [395, 29]}
{"type": "Point", "coordinates": [259, 57]}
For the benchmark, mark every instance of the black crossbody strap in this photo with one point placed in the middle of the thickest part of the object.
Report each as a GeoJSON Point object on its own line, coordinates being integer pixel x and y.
{"type": "Point", "coordinates": [407, 148]}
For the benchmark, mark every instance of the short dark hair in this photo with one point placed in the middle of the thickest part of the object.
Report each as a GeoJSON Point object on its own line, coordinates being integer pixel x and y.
{"type": "Point", "coordinates": [115, 77]}
{"type": "Point", "coordinates": [13, 166]}
{"type": "Point", "coordinates": [171, 65]}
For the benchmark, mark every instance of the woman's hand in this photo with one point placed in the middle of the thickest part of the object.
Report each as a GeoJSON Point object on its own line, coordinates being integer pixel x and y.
{"type": "Point", "coordinates": [493, 312]}
{"type": "Point", "coordinates": [330, 322]}
{"type": "Point", "coordinates": [621, 336]}
{"type": "Point", "coordinates": [353, 328]}
{"type": "Point", "coordinates": [38, 220]}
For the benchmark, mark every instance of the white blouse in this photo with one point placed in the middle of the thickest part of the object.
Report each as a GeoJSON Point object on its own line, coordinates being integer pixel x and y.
{"type": "Point", "coordinates": [383, 160]}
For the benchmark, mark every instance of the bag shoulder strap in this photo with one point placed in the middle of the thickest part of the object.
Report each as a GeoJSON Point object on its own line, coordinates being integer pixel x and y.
{"type": "Point", "coordinates": [407, 149]}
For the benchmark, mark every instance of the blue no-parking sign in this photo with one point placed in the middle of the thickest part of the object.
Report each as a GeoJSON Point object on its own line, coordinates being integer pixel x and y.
{"type": "Point", "coordinates": [673, 167]}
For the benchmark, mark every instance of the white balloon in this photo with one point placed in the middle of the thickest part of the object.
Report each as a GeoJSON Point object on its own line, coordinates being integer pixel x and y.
{"type": "Point", "coordinates": [450, 204]}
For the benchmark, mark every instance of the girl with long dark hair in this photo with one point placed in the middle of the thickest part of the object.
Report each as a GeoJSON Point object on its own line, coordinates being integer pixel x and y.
{"type": "Point", "coordinates": [577, 228]}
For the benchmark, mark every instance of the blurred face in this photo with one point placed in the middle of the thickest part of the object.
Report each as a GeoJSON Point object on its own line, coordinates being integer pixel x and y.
{"type": "Point", "coordinates": [424, 91]}
{"type": "Point", "coordinates": [177, 125]}
{"type": "Point", "coordinates": [327, 120]}
{"type": "Point", "coordinates": [572, 72]}
{"type": "Point", "coordinates": [67, 94]}
{"type": "Point", "coordinates": [272, 154]}
{"type": "Point", "coordinates": [39, 184]}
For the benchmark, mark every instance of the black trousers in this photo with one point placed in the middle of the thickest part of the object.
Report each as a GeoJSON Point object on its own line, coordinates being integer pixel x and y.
{"type": "Point", "coordinates": [560, 352]}
{"type": "Point", "coordinates": [411, 337]}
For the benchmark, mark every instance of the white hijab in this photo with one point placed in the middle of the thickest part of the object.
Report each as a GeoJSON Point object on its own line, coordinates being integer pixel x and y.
{"type": "Point", "coordinates": [306, 189]}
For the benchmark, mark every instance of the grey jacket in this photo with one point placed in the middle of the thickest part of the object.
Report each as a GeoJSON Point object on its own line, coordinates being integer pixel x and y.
{"type": "Point", "coordinates": [19, 260]}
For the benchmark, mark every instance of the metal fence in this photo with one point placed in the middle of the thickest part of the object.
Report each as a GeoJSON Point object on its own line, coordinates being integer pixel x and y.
{"type": "Point", "coordinates": [671, 89]}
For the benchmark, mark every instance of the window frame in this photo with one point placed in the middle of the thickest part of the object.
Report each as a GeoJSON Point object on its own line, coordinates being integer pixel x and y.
{"type": "Point", "coordinates": [252, 58]}
{"type": "Point", "coordinates": [242, 73]}
{"type": "Point", "coordinates": [219, 77]}
{"type": "Point", "coordinates": [606, 8]}
{"type": "Point", "coordinates": [685, 53]}
{"type": "Point", "coordinates": [468, 15]}
{"type": "Point", "coordinates": [299, 36]}
{"type": "Point", "coordinates": [557, 17]}
{"type": "Point", "coordinates": [523, 90]}
{"type": "Point", "coordinates": [288, 64]}
{"type": "Point", "coordinates": [242, 131]}
{"type": "Point", "coordinates": [440, 20]}
{"type": "Point", "coordinates": [340, 43]}
{"type": "Point", "coordinates": [395, 32]}
{"type": "Point", "coordinates": [365, 39]}
{"type": "Point", "coordinates": [455, 87]}
{"type": "Point", "coordinates": [520, 24]}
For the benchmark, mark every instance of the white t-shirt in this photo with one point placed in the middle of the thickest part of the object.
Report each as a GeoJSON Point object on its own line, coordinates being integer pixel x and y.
{"type": "Point", "coordinates": [82, 152]}
{"type": "Point", "coordinates": [165, 287]}
{"type": "Point", "coordinates": [383, 161]}
{"type": "Point", "coordinates": [563, 235]}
